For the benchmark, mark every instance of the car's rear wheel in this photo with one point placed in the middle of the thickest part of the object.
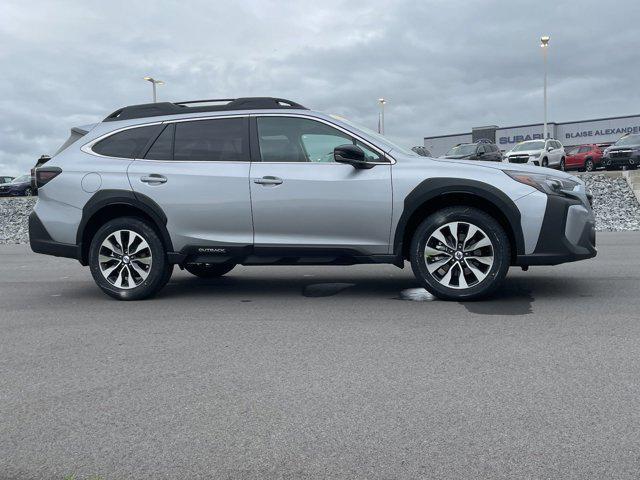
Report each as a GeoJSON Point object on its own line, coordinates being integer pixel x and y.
{"type": "Point", "coordinates": [562, 165]}
{"type": "Point", "coordinates": [28, 192]}
{"type": "Point", "coordinates": [588, 165]}
{"type": "Point", "coordinates": [460, 253]}
{"type": "Point", "coordinates": [128, 260]}
{"type": "Point", "coordinates": [209, 270]}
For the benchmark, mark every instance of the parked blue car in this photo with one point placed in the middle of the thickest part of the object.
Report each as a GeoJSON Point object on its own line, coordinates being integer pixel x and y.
{"type": "Point", "coordinates": [20, 186]}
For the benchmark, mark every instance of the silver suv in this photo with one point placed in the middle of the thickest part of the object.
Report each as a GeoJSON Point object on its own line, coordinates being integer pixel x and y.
{"type": "Point", "coordinates": [264, 181]}
{"type": "Point", "coordinates": [549, 153]}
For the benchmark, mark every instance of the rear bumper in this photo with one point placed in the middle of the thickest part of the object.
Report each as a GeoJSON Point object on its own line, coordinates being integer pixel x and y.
{"type": "Point", "coordinates": [41, 241]}
{"type": "Point", "coordinates": [568, 234]}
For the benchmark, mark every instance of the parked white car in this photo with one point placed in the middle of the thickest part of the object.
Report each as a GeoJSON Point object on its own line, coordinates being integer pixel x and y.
{"type": "Point", "coordinates": [548, 153]}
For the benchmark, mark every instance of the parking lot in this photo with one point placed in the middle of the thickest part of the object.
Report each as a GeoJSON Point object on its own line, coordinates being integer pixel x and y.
{"type": "Point", "coordinates": [283, 372]}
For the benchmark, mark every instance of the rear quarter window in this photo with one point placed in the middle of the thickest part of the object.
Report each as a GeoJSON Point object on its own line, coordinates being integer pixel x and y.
{"type": "Point", "coordinates": [128, 143]}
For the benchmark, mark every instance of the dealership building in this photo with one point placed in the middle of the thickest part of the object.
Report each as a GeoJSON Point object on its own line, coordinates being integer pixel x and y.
{"type": "Point", "coordinates": [599, 130]}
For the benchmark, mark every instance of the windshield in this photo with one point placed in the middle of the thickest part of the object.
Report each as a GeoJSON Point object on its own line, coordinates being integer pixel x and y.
{"type": "Point", "coordinates": [462, 150]}
{"type": "Point", "coordinates": [376, 135]}
{"type": "Point", "coordinates": [21, 179]}
{"type": "Point", "coordinates": [537, 145]}
{"type": "Point", "coordinates": [628, 140]}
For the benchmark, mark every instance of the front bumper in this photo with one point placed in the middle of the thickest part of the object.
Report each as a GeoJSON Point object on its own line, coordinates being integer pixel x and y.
{"type": "Point", "coordinates": [621, 161]}
{"type": "Point", "coordinates": [568, 233]}
{"type": "Point", "coordinates": [8, 192]}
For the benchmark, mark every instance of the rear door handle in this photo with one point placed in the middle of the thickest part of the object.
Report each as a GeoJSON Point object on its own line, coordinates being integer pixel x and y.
{"type": "Point", "coordinates": [154, 178]}
{"type": "Point", "coordinates": [268, 180]}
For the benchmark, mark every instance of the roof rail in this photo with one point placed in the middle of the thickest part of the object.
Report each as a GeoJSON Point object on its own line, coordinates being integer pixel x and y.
{"type": "Point", "coordinates": [168, 108]}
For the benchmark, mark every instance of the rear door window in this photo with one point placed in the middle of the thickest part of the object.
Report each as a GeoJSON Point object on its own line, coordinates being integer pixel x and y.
{"type": "Point", "coordinates": [162, 148]}
{"type": "Point", "coordinates": [216, 140]}
{"type": "Point", "coordinates": [127, 143]}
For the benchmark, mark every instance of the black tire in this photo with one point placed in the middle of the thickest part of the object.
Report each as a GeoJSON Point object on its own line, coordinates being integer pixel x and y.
{"type": "Point", "coordinates": [588, 165]}
{"type": "Point", "coordinates": [158, 274]}
{"type": "Point", "coordinates": [28, 192]}
{"type": "Point", "coordinates": [562, 165]}
{"type": "Point", "coordinates": [494, 232]}
{"type": "Point", "coordinates": [545, 162]}
{"type": "Point", "coordinates": [209, 270]}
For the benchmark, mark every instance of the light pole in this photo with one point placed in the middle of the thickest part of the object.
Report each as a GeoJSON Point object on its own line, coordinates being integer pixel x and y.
{"type": "Point", "coordinates": [154, 82]}
{"type": "Point", "coordinates": [381, 101]}
{"type": "Point", "coordinates": [544, 44]}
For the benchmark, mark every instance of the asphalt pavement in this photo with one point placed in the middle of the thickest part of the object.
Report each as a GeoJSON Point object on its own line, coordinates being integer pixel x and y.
{"type": "Point", "coordinates": [321, 372]}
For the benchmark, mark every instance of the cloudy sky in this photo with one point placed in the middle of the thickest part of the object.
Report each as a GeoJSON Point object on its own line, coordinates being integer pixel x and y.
{"type": "Point", "coordinates": [444, 66]}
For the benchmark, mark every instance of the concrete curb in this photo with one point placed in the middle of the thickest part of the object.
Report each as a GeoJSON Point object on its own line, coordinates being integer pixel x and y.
{"type": "Point", "coordinates": [633, 179]}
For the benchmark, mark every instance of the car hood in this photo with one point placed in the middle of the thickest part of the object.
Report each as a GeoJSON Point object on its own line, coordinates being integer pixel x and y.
{"type": "Point", "coordinates": [524, 152]}
{"type": "Point", "coordinates": [454, 156]}
{"type": "Point", "coordinates": [624, 147]}
{"type": "Point", "coordinates": [516, 167]}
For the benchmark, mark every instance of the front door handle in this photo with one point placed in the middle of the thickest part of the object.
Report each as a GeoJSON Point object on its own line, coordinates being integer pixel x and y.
{"type": "Point", "coordinates": [269, 180]}
{"type": "Point", "coordinates": [154, 178]}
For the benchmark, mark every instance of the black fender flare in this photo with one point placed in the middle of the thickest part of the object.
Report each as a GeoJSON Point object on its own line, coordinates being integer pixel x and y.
{"type": "Point", "coordinates": [114, 197]}
{"type": "Point", "coordinates": [435, 187]}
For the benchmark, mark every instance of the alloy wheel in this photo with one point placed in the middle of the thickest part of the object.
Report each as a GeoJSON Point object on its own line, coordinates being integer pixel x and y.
{"type": "Point", "coordinates": [459, 255]}
{"type": "Point", "coordinates": [125, 259]}
{"type": "Point", "coordinates": [588, 166]}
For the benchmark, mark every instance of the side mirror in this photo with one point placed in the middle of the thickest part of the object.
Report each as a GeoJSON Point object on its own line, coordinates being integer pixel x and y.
{"type": "Point", "coordinates": [549, 149]}
{"type": "Point", "coordinates": [351, 154]}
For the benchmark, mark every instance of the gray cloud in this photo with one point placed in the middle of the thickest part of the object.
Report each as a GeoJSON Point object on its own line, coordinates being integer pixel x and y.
{"type": "Point", "coordinates": [444, 66]}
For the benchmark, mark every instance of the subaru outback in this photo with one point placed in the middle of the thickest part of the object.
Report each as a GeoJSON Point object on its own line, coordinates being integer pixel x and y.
{"type": "Point", "coordinates": [209, 185]}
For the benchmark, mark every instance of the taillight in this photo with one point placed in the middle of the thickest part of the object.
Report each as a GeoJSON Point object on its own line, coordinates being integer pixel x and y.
{"type": "Point", "coordinates": [45, 174]}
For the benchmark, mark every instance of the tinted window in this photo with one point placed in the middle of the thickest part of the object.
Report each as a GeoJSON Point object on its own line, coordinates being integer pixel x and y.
{"type": "Point", "coordinates": [584, 149]}
{"type": "Point", "coordinates": [220, 140]}
{"type": "Point", "coordinates": [162, 148]}
{"type": "Point", "coordinates": [287, 139]}
{"type": "Point", "coordinates": [126, 144]}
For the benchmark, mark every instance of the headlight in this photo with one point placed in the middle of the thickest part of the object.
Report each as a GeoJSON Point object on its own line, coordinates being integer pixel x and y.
{"type": "Point", "coordinates": [548, 184]}
{"type": "Point", "coordinates": [534, 155]}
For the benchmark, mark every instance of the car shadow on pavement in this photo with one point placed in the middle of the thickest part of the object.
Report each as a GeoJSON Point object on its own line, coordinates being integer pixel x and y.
{"type": "Point", "coordinates": [515, 297]}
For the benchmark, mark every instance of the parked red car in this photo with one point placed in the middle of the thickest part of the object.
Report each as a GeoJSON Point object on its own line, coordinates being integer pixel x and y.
{"type": "Point", "coordinates": [583, 157]}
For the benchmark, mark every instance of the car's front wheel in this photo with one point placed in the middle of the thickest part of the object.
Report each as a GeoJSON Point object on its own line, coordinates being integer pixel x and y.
{"type": "Point", "coordinates": [128, 260]}
{"type": "Point", "coordinates": [460, 253]}
{"type": "Point", "coordinates": [209, 270]}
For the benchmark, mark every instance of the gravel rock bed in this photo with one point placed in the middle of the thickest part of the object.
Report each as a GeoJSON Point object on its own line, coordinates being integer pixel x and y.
{"type": "Point", "coordinates": [14, 219]}
{"type": "Point", "coordinates": [615, 206]}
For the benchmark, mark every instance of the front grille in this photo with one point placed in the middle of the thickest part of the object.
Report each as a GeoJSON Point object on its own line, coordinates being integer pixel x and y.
{"type": "Point", "coordinates": [620, 153]}
{"type": "Point", "coordinates": [519, 159]}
